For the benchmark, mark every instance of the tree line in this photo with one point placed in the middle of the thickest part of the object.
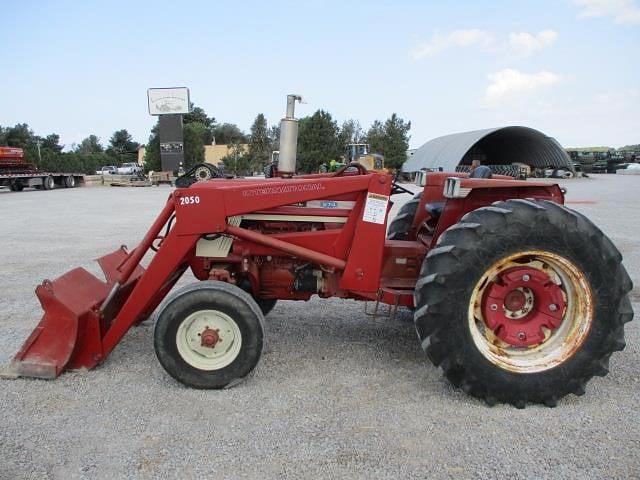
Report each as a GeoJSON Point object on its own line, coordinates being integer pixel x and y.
{"type": "Point", "coordinates": [320, 140]}
{"type": "Point", "coordinates": [46, 152]}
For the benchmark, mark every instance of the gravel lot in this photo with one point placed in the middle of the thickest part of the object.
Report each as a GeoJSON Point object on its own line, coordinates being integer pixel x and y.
{"type": "Point", "coordinates": [335, 395]}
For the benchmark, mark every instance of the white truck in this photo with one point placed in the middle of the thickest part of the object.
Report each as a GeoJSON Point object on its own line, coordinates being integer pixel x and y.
{"type": "Point", "coordinates": [129, 169]}
{"type": "Point", "coordinates": [107, 170]}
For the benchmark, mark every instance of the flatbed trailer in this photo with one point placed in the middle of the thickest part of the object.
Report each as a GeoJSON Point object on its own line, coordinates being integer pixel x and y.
{"type": "Point", "coordinates": [16, 174]}
{"type": "Point", "coordinates": [16, 182]}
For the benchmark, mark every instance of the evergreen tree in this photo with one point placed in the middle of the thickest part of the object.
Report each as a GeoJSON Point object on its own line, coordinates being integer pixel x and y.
{"type": "Point", "coordinates": [396, 141]}
{"type": "Point", "coordinates": [391, 139]}
{"type": "Point", "coordinates": [228, 133]}
{"type": "Point", "coordinates": [259, 145]}
{"type": "Point", "coordinates": [317, 141]}
{"type": "Point", "coordinates": [350, 132]}
{"type": "Point", "coordinates": [152, 152]}
{"type": "Point", "coordinates": [91, 144]}
{"type": "Point", "coordinates": [194, 135]}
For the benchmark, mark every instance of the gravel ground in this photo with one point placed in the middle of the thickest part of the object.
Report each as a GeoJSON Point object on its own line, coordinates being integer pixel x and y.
{"type": "Point", "coordinates": [335, 395]}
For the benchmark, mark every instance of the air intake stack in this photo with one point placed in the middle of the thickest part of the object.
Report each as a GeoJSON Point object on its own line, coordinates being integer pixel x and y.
{"type": "Point", "coordinates": [289, 138]}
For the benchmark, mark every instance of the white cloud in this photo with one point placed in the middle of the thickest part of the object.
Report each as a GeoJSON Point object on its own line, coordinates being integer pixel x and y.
{"type": "Point", "coordinates": [510, 83]}
{"type": "Point", "coordinates": [517, 43]}
{"type": "Point", "coordinates": [622, 11]}
{"type": "Point", "coordinates": [523, 43]}
{"type": "Point", "coordinates": [456, 38]}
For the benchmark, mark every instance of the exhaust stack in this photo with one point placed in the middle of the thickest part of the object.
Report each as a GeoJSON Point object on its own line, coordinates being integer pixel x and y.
{"type": "Point", "coordinates": [289, 138]}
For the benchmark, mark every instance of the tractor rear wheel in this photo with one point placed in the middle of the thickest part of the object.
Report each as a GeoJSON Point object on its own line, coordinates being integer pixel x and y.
{"type": "Point", "coordinates": [209, 335]}
{"type": "Point", "coordinates": [522, 302]}
{"type": "Point", "coordinates": [401, 224]}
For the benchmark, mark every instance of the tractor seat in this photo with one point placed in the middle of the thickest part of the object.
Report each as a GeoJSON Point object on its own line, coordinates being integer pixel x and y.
{"type": "Point", "coordinates": [481, 172]}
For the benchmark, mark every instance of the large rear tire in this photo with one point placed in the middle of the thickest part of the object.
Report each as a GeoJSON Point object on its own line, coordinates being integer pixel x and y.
{"type": "Point", "coordinates": [401, 224]}
{"type": "Point", "coordinates": [209, 335]}
{"type": "Point", "coordinates": [522, 302]}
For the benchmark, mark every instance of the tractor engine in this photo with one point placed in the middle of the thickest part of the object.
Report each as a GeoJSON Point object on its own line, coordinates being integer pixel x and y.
{"type": "Point", "coordinates": [264, 272]}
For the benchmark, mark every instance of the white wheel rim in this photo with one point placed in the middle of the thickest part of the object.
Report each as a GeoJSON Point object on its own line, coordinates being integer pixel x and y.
{"type": "Point", "coordinates": [559, 345]}
{"type": "Point", "coordinates": [189, 340]}
{"type": "Point", "coordinates": [203, 173]}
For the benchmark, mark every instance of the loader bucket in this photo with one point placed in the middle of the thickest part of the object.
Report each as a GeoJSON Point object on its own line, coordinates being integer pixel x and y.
{"type": "Point", "coordinates": [69, 336]}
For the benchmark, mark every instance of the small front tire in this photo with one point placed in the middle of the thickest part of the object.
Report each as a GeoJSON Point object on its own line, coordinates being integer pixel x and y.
{"type": "Point", "coordinates": [209, 335]}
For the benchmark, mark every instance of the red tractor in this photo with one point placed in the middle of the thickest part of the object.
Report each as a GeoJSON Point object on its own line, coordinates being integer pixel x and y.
{"type": "Point", "coordinates": [516, 297]}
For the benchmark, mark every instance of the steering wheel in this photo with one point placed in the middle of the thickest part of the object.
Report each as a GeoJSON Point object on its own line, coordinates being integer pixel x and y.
{"type": "Point", "coordinates": [361, 169]}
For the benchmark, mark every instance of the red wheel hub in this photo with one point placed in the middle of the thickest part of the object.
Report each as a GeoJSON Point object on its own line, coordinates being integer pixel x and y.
{"type": "Point", "coordinates": [519, 303]}
{"type": "Point", "coordinates": [209, 338]}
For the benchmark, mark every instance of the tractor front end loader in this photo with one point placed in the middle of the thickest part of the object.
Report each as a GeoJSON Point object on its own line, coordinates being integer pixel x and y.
{"type": "Point", "coordinates": [516, 297]}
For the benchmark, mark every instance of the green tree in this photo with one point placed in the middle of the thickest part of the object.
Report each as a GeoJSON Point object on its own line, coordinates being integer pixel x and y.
{"type": "Point", "coordinates": [194, 135]}
{"type": "Point", "coordinates": [237, 160]}
{"type": "Point", "coordinates": [350, 132]}
{"type": "Point", "coordinates": [51, 143]}
{"type": "Point", "coordinates": [228, 133]}
{"type": "Point", "coordinates": [122, 147]}
{"type": "Point", "coordinates": [390, 139]}
{"type": "Point", "coordinates": [317, 141]}
{"type": "Point", "coordinates": [198, 115]}
{"type": "Point", "coordinates": [259, 144]}
{"type": "Point", "coordinates": [152, 151]}
{"type": "Point", "coordinates": [376, 137]}
{"type": "Point", "coordinates": [274, 137]}
{"type": "Point", "coordinates": [396, 141]}
{"type": "Point", "coordinates": [91, 144]}
{"type": "Point", "coordinates": [19, 136]}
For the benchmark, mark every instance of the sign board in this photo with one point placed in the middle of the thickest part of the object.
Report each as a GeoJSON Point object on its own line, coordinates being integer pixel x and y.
{"type": "Point", "coordinates": [166, 101]}
{"type": "Point", "coordinates": [171, 142]}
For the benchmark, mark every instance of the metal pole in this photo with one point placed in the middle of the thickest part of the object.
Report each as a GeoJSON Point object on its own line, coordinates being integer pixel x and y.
{"type": "Point", "coordinates": [39, 155]}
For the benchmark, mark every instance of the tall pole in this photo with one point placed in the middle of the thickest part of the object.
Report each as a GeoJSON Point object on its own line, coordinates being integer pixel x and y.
{"type": "Point", "coordinates": [39, 155]}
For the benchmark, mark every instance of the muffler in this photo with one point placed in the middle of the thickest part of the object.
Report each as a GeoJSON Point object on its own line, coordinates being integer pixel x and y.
{"type": "Point", "coordinates": [289, 138]}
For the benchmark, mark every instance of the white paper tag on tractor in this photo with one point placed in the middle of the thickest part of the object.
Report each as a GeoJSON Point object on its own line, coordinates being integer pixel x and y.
{"type": "Point", "coordinates": [375, 209]}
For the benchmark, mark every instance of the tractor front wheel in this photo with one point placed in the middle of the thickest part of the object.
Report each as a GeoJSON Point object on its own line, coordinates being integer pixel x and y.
{"type": "Point", "coordinates": [209, 335]}
{"type": "Point", "coordinates": [522, 302]}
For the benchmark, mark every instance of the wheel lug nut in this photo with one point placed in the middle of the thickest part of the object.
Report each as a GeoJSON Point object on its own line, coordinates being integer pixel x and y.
{"type": "Point", "coordinates": [525, 278]}
{"type": "Point", "coordinates": [553, 307]}
{"type": "Point", "coordinates": [522, 336]}
{"type": "Point", "coordinates": [494, 307]}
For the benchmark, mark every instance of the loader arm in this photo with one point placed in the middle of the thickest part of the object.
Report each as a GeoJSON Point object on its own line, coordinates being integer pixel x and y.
{"type": "Point", "coordinates": [85, 318]}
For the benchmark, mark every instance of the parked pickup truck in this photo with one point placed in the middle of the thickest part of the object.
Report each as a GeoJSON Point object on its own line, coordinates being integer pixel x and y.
{"type": "Point", "coordinates": [129, 169]}
{"type": "Point", "coordinates": [108, 170]}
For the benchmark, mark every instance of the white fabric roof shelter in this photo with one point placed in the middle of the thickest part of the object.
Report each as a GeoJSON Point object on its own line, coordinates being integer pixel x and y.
{"type": "Point", "coordinates": [492, 146]}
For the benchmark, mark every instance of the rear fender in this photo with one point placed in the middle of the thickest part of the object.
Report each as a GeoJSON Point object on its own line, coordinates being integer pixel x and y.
{"type": "Point", "coordinates": [483, 193]}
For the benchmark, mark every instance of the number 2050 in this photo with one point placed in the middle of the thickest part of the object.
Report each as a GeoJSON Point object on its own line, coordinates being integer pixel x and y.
{"type": "Point", "coordinates": [190, 200]}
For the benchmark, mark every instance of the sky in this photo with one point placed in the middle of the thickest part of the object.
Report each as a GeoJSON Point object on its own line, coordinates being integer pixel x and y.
{"type": "Point", "coordinates": [569, 68]}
